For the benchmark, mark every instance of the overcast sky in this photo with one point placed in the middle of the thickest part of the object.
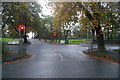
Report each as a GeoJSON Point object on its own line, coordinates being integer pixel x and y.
{"type": "Point", "coordinates": [46, 9]}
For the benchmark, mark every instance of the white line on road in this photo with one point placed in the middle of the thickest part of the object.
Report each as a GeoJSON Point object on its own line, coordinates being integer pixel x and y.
{"type": "Point", "coordinates": [81, 52]}
{"type": "Point", "coordinates": [61, 57]}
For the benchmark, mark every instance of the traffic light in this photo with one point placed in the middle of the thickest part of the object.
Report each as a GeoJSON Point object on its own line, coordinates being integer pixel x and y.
{"type": "Point", "coordinates": [54, 34]}
{"type": "Point", "coordinates": [22, 29]}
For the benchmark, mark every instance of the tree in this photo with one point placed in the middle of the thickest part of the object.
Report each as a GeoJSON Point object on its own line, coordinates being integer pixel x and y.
{"type": "Point", "coordinates": [93, 14]}
{"type": "Point", "coordinates": [111, 19]}
{"type": "Point", "coordinates": [16, 13]}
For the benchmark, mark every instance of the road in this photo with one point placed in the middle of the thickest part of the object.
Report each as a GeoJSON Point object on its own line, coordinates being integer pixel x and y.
{"type": "Point", "coordinates": [59, 61]}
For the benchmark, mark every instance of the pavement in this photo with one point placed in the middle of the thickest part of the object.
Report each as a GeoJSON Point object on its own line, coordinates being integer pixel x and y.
{"type": "Point", "coordinates": [59, 61]}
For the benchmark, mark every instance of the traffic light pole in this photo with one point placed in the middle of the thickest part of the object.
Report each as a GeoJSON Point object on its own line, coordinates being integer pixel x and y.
{"type": "Point", "coordinates": [22, 49]}
{"type": "Point", "coordinates": [55, 37]}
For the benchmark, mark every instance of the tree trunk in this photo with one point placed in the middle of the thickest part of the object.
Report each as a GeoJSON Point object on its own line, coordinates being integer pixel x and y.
{"type": "Point", "coordinates": [99, 32]}
{"type": "Point", "coordinates": [108, 35]}
{"type": "Point", "coordinates": [100, 38]}
{"type": "Point", "coordinates": [66, 42]}
{"type": "Point", "coordinates": [25, 38]}
{"type": "Point", "coordinates": [96, 23]}
{"type": "Point", "coordinates": [59, 41]}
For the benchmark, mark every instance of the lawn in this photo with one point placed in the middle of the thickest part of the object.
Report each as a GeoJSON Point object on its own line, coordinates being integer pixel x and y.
{"type": "Point", "coordinates": [3, 48]}
{"type": "Point", "coordinates": [76, 41]}
{"type": "Point", "coordinates": [8, 39]}
{"type": "Point", "coordinates": [105, 55]}
{"type": "Point", "coordinates": [117, 50]}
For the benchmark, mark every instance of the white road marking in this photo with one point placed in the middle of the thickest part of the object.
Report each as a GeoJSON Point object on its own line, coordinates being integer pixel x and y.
{"type": "Point", "coordinates": [81, 52]}
{"type": "Point", "coordinates": [61, 57]}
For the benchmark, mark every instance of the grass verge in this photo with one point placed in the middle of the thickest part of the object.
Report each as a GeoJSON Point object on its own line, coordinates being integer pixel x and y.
{"type": "Point", "coordinates": [71, 41]}
{"type": "Point", "coordinates": [117, 50]}
{"type": "Point", "coordinates": [16, 59]}
{"type": "Point", "coordinates": [105, 56]}
{"type": "Point", "coordinates": [8, 39]}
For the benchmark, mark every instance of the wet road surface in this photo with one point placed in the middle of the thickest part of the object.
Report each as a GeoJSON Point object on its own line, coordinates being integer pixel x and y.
{"type": "Point", "coordinates": [59, 61]}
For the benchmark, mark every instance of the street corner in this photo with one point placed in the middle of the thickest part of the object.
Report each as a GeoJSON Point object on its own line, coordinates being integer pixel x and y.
{"type": "Point", "coordinates": [104, 56]}
{"type": "Point", "coordinates": [18, 58]}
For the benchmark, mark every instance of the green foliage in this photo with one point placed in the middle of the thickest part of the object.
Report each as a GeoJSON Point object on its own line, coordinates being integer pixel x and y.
{"type": "Point", "coordinates": [76, 41]}
{"type": "Point", "coordinates": [8, 39]}
{"type": "Point", "coordinates": [118, 50]}
{"type": "Point", "coordinates": [16, 13]}
{"type": "Point", "coordinates": [84, 12]}
{"type": "Point", "coordinates": [92, 16]}
{"type": "Point", "coordinates": [45, 29]}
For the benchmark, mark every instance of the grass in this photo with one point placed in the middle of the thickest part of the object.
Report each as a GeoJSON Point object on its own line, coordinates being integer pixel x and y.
{"type": "Point", "coordinates": [117, 50]}
{"type": "Point", "coordinates": [4, 41]}
{"type": "Point", "coordinates": [104, 55]}
{"type": "Point", "coordinates": [8, 39]}
{"type": "Point", "coordinates": [3, 48]}
{"type": "Point", "coordinates": [76, 41]}
{"type": "Point", "coordinates": [70, 41]}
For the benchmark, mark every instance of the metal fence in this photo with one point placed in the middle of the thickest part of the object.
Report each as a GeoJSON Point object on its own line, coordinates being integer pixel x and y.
{"type": "Point", "coordinates": [12, 52]}
{"type": "Point", "coordinates": [17, 49]}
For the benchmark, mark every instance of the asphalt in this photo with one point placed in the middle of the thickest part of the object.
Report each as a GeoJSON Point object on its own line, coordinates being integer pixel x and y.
{"type": "Point", "coordinates": [59, 61]}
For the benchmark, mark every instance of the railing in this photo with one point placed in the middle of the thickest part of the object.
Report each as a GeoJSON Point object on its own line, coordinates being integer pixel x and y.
{"type": "Point", "coordinates": [12, 51]}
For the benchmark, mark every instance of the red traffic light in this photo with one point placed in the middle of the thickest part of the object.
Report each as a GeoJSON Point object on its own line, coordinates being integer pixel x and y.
{"type": "Point", "coordinates": [22, 27]}
{"type": "Point", "coordinates": [54, 34]}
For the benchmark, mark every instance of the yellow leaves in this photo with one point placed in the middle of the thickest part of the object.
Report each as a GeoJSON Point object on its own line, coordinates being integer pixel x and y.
{"type": "Point", "coordinates": [95, 22]}
{"type": "Point", "coordinates": [31, 18]}
{"type": "Point", "coordinates": [26, 5]}
{"type": "Point", "coordinates": [66, 12]}
{"type": "Point", "coordinates": [62, 15]}
{"type": "Point", "coordinates": [101, 32]}
{"type": "Point", "coordinates": [97, 35]}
